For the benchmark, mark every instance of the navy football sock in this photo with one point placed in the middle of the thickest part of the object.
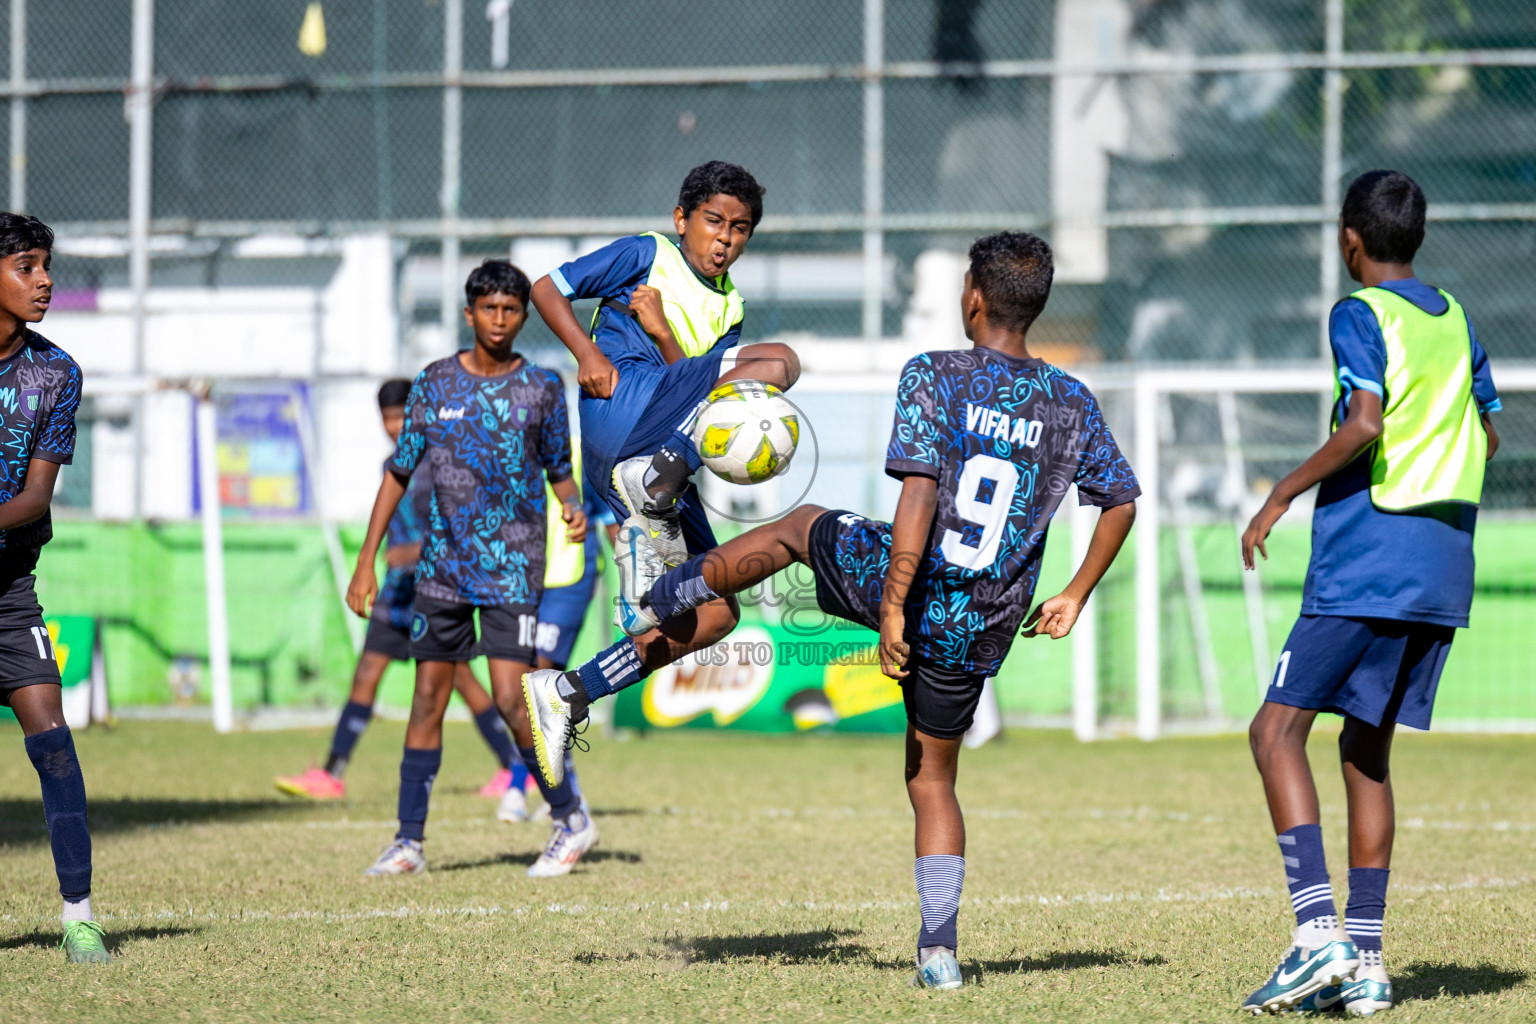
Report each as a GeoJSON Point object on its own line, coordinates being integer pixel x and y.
{"type": "Point", "coordinates": [58, 770]}
{"type": "Point", "coordinates": [680, 590]}
{"type": "Point", "coordinates": [349, 728]}
{"type": "Point", "coordinates": [1365, 909]}
{"type": "Point", "coordinates": [681, 444]}
{"type": "Point", "coordinates": [418, 770]}
{"type": "Point", "coordinates": [940, 877]}
{"type": "Point", "coordinates": [612, 670]}
{"type": "Point", "coordinates": [562, 799]}
{"type": "Point", "coordinates": [1306, 873]}
{"type": "Point", "coordinates": [496, 736]}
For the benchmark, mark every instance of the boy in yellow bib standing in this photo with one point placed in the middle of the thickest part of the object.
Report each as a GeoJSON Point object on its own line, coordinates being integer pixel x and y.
{"type": "Point", "coordinates": [1389, 582]}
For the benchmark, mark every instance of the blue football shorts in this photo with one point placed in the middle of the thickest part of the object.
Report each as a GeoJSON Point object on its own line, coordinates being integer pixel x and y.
{"type": "Point", "coordinates": [562, 610]}
{"type": "Point", "coordinates": [1380, 671]}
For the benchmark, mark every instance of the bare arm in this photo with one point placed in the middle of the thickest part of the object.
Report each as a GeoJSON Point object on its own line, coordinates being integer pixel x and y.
{"type": "Point", "coordinates": [909, 538]}
{"type": "Point", "coordinates": [596, 375]}
{"type": "Point", "coordinates": [1360, 430]}
{"type": "Point", "coordinates": [35, 497]}
{"type": "Point", "coordinates": [1493, 435]}
{"type": "Point", "coordinates": [365, 584]}
{"type": "Point", "coordinates": [1056, 616]}
{"type": "Point", "coordinates": [571, 511]}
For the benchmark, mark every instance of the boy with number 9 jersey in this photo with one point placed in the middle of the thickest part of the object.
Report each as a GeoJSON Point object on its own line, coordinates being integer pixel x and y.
{"type": "Point", "coordinates": [987, 442]}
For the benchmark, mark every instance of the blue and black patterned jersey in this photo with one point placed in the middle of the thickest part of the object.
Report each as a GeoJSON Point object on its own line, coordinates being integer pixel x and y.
{"type": "Point", "coordinates": [1005, 438]}
{"type": "Point", "coordinates": [39, 395]}
{"type": "Point", "coordinates": [489, 443]}
{"type": "Point", "coordinates": [408, 525]}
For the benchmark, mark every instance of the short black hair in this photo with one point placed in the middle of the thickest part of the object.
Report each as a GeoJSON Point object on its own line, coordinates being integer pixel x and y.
{"type": "Point", "coordinates": [720, 178]}
{"type": "Point", "coordinates": [495, 276]}
{"type": "Point", "coordinates": [1387, 209]}
{"type": "Point", "coordinates": [393, 393]}
{"type": "Point", "coordinates": [1013, 269]}
{"type": "Point", "coordinates": [21, 233]}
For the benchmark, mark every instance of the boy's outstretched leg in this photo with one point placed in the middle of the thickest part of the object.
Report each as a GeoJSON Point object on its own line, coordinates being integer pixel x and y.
{"type": "Point", "coordinates": [419, 763]}
{"type": "Point", "coordinates": [328, 783]}
{"type": "Point", "coordinates": [693, 604]}
{"type": "Point", "coordinates": [40, 711]}
{"type": "Point", "coordinates": [939, 870]}
{"type": "Point", "coordinates": [574, 830]}
{"type": "Point", "coordinates": [652, 484]}
{"type": "Point", "coordinates": [1321, 953]}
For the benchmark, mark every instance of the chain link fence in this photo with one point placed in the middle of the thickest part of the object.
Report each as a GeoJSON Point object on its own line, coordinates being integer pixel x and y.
{"type": "Point", "coordinates": [1185, 158]}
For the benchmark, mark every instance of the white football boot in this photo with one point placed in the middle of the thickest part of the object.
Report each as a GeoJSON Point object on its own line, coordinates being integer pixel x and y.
{"type": "Point", "coordinates": [572, 837]}
{"type": "Point", "coordinates": [401, 857]}
{"type": "Point", "coordinates": [640, 566]}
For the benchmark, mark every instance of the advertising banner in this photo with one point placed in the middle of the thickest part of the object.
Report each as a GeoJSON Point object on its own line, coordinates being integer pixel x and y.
{"type": "Point", "coordinates": [763, 678]}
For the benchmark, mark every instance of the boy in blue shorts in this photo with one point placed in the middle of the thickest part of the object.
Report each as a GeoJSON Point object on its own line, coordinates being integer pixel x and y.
{"type": "Point", "coordinates": [1389, 583]}
{"type": "Point", "coordinates": [663, 337]}
{"type": "Point", "coordinates": [986, 442]}
{"type": "Point", "coordinates": [491, 428]}
{"type": "Point", "coordinates": [389, 639]}
{"type": "Point", "coordinates": [38, 417]}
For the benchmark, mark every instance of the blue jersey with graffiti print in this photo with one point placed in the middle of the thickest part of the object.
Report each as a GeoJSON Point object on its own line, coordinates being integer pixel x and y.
{"type": "Point", "coordinates": [39, 395]}
{"type": "Point", "coordinates": [1004, 438]}
{"type": "Point", "coordinates": [489, 444]}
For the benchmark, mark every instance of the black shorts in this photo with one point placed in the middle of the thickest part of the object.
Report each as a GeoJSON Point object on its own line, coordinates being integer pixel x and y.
{"type": "Point", "coordinates": [384, 637]}
{"type": "Point", "coordinates": [848, 555]}
{"type": "Point", "coordinates": [26, 651]}
{"type": "Point", "coordinates": [445, 631]}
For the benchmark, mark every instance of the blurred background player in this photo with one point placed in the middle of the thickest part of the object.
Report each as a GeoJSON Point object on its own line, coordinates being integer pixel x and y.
{"type": "Point", "coordinates": [40, 422]}
{"type": "Point", "coordinates": [1389, 582]}
{"type": "Point", "coordinates": [664, 335]}
{"type": "Point", "coordinates": [389, 639]}
{"type": "Point", "coordinates": [986, 442]}
{"type": "Point", "coordinates": [490, 428]}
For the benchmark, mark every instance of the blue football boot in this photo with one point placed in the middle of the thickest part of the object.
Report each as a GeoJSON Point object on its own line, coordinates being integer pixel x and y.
{"type": "Point", "coordinates": [1304, 971]}
{"type": "Point", "coordinates": [941, 971]}
{"type": "Point", "coordinates": [1370, 991]}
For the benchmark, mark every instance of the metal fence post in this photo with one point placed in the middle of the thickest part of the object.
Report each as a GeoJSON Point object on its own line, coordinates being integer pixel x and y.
{"type": "Point", "coordinates": [453, 104]}
{"type": "Point", "coordinates": [1149, 654]}
{"type": "Point", "coordinates": [140, 166]}
{"type": "Point", "coordinates": [1333, 160]}
{"type": "Point", "coordinates": [874, 166]}
{"type": "Point", "coordinates": [18, 106]}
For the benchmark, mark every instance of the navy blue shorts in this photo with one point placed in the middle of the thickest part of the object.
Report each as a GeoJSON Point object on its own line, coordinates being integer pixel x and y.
{"type": "Point", "coordinates": [561, 613]}
{"type": "Point", "coordinates": [386, 638]}
{"type": "Point", "coordinates": [1380, 671]}
{"type": "Point", "coordinates": [848, 555]}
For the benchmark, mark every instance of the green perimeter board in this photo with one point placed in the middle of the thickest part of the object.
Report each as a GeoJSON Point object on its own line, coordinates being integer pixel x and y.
{"type": "Point", "coordinates": [290, 646]}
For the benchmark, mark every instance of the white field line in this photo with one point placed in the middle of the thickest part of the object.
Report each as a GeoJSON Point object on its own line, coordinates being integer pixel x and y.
{"type": "Point", "coordinates": [1138, 815]}
{"type": "Point", "coordinates": [707, 907]}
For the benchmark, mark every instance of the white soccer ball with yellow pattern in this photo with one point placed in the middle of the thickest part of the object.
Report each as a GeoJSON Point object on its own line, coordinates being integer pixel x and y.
{"type": "Point", "coordinates": [748, 432]}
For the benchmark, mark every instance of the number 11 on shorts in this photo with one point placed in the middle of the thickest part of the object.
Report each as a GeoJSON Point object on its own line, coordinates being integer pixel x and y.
{"type": "Point", "coordinates": [44, 642]}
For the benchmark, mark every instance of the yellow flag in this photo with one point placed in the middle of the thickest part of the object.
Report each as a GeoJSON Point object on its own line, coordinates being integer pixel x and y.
{"type": "Point", "coordinates": [312, 32]}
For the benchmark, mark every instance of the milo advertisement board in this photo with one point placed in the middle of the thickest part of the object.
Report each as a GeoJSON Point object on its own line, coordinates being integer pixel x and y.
{"type": "Point", "coordinates": [765, 678]}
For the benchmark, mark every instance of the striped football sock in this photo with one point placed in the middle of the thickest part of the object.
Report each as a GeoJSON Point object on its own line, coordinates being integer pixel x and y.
{"type": "Point", "coordinates": [1363, 913]}
{"type": "Point", "coordinates": [939, 877]}
{"type": "Point", "coordinates": [1306, 875]}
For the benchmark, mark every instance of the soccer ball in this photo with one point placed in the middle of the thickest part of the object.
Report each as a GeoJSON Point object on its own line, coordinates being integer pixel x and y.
{"type": "Point", "coordinates": [748, 432]}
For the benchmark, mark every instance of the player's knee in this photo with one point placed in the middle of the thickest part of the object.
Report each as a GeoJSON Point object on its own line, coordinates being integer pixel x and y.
{"type": "Point", "coordinates": [795, 530]}
{"type": "Point", "coordinates": [1267, 733]}
{"type": "Point", "coordinates": [772, 362]}
{"type": "Point", "coordinates": [717, 619]}
{"type": "Point", "coordinates": [1366, 747]}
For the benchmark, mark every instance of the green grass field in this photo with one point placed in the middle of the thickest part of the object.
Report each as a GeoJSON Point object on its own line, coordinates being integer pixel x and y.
{"type": "Point", "coordinates": [744, 878]}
